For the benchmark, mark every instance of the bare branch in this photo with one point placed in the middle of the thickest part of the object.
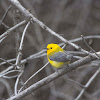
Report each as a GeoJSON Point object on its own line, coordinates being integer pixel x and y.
{"type": "Point", "coordinates": [88, 83]}
{"type": "Point", "coordinates": [33, 76]}
{"type": "Point", "coordinates": [73, 81]}
{"type": "Point", "coordinates": [19, 56]}
{"type": "Point", "coordinates": [52, 77]}
{"type": "Point", "coordinates": [5, 14]}
{"type": "Point", "coordinates": [34, 56]}
{"type": "Point", "coordinates": [86, 37]}
{"type": "Point", "coordinates": [6, 61]}
{"type": "Point", "coordinates": [5, 34]}
{"type": "Point", "coordinates": [1, 75]}
{"type": "Point", "coordinates": [28, 14]}
{"type": "Point", "coordinates": [17, 81]}
{"type": "Point", "coordinates": [90, 47]}
{"type": "Point", "coordinates": [5, 25]}
{"type": "Point", "coordinates": [6, 70]}
{"type": "Point", "coordinates": [10, 77]}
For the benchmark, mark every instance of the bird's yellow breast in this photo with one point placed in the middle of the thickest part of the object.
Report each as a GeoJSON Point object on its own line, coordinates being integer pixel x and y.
{"type": "Point", "coordinates": [56, 64]}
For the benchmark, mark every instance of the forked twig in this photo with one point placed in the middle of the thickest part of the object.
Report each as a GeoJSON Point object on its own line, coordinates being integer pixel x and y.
{"type": "Point", "coordinates": [88, 83]}
{"type": "Point", "coordinates": [90, 47]}
{"type": "Point", "coordinates": [5, 34]}
{"type": "Point", "coordinates": [19, 56]}
{"type": "Point", "coordinates": [5, 14]}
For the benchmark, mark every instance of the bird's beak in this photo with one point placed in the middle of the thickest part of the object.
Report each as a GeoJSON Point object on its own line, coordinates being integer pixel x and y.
{"type": "Point", "coordinates": [46, 48]}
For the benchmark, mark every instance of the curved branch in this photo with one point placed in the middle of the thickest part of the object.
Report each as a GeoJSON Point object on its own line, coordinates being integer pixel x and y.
{"type": "Point", "coordinates": [52, 77]}
{"type": "Point", "coordinates": [27, 14]}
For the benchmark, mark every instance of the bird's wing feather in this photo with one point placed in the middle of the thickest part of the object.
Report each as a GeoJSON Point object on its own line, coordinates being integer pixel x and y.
{"type": "Point", "coordinates": [61, 57]}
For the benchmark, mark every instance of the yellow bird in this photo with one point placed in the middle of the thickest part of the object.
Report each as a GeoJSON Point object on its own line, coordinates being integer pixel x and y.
{"type": "Point", "coordinates": [58, 56]}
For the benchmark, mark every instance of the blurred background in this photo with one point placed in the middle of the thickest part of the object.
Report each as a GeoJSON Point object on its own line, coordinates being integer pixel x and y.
{"type": "Point", "coordinates": [70, 19]}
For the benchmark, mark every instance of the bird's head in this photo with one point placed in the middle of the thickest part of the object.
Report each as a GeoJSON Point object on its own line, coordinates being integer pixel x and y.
{"type": "Point", "coordinates": [53, 48]}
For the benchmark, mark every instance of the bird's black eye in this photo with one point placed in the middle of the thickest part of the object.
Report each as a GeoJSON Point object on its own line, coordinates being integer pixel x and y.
{"type": "Point", "coordinates": [51, 47]}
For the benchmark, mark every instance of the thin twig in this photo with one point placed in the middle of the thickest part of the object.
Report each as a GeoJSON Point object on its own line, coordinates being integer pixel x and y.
{"type": "Point", "coordinates": [5, 25]}
{"type": "Point", "coordinates": [72, 81]}
{"type": "Point", "coordinates": [1, 75]}
{"type": "Point", "coordinates": [19, 56]}
{"type": "Point", "coordinates": [17, 81]}
{"type": "Point", "coordinates": [86, 37]}
{"type": "Point", "coordinates": [7, 61]}
{"type": "Point", "coordinates": [6, 70]}
{"type": "Point", "coordinates": [79, 39]}
{"type": "Point", "coordinates": [33, 76]}
{"type": "Point", "coordinates": [5, 14]}
{"type": "Point", "coordinates": [88, 83]}
{"type": "Point", "coordinates": [90, 47]}
{"type": "Point", "coordinates": [36, 55]}
{"type": "Point", "coordinates": [5, 34]}
{"type": "Point", "coordinates": [10, 77]}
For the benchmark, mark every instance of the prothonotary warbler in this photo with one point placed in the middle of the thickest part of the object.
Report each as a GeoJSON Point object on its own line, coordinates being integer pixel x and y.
{"type": "Point", "coordinates": [57, 56]}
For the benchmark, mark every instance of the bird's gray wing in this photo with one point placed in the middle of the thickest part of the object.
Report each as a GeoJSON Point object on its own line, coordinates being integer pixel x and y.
{"type": "Point", "coordinates": [61, 57]}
